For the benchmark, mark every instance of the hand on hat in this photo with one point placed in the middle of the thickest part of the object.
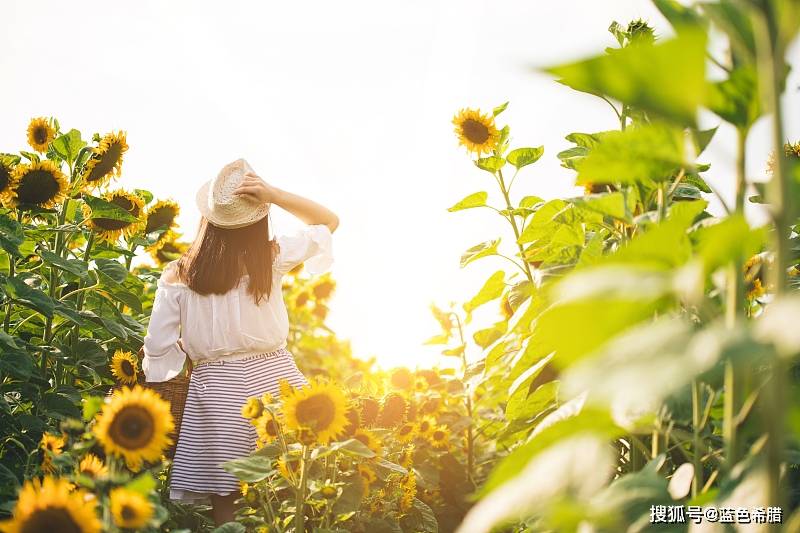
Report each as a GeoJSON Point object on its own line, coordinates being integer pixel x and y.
{"type": "Point", "coordinates": [256, 189]}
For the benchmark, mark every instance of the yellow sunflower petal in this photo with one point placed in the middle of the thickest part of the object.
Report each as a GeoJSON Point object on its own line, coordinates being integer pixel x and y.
{"type": "Point", "coordinates": [130, 509]}
{"type": "Point", "coordinates": [476, 131]}
{"type": "Point", "coordinates": [106, 160]}
{"type": "Point", "coordinates": [320, 407]}
{"type": "Point", "coordinates": [53, 503]}
{"type": "Point", "coordinates": [125, 367]}
{"type": "Point", "coordinates": [41, 184]}
{"type": "Point", "coordinates": [40, 134]}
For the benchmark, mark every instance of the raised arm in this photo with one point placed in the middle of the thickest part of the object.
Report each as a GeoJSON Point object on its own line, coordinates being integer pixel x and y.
{"type": "Point", "coordinates": [306, 210]}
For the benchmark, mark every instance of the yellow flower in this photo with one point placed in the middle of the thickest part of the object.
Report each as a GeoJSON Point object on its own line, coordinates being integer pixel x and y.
{"type": "Point", "coordinates": [431, 405]}
{"type": "Point", "coordinates": [393, 410]}
{"type": "Point", "coordinates": [41, 184]}
{"type": "Point", "coordinates": [125, 367]}
{"type": "Point", "coordinates": [267, 399]}
{"type": "Point", "coordinates": [285, 388]}
{"type": "Point", "coordinates": [402, 379]}
{"type": "Point", "coordinates": [135, 425]}
{"type": "Point", "coordinates": [409, 487]}
{"type": "Point", "coordinates": [91, 466]}
{"type": "Point", "coordinates": [267, 427]}
{"type": "Point", "coordinates": [6, 192]}
{"type": "Point", "coordinates": [109, 229]}
{"type": "Point", "coordinates": [370, 409]}
{"type": "Point", "coordinates": [252, 408]}
{"type": "Point", "coordinates": [476, 131]}
{"type": "Point", "coordinates": [329, 492]}
{"type": "Point", "coordinates": [169, 251]}
{"type": "Point", "coordinates": [323, 289]}
{"type": "Point", "coordinates": [757, 291]}
{"type": "Point", "coordinates": [50, 506]}
{"type": "Point", "coordinates": [106, 160]}
{"type": "Point", "coordinates": [51, 445]}
{"type": "Point", "coordinates": [320, 407]}
{"type": "Point", "coordinates": [369, 440]}
{"type": "Point", "coordinates": [40, 134]}
{"type": "Point", "coordinates": [439, 437]}
{"type": "Point", "coordinates": [407, 456]}
{"type": "Point", "coordinates": [289, 467]}
{"type": "Point", "coordinates": [130, 509]}
{"type": "Point", "coordinates": [162, 215]}
{"type": "Point", "coordinates": [367, 474]}
{"type": "Point", "coordinates": [426, 425]}
{"type": "Point", "coordinates": [406, 432]}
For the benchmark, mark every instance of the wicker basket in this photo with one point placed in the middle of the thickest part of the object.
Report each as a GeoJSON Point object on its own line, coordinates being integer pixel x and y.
{"type": "Point", "coordinates": [174, 391]}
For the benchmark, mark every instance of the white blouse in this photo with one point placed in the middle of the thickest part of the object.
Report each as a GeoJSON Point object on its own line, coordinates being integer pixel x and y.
{"type": "Point", "coordinates": [226, 325]}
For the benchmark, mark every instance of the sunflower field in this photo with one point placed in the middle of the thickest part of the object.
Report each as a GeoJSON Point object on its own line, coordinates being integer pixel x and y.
{"type": "Point", "coordinates": [643, 366]}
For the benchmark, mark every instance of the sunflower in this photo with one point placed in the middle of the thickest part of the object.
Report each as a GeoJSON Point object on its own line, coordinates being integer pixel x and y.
{"type": "Point", "coordinates": [40, 134]}
{"type": "Point", "coordinates": [431, 405]}
{"type": "Point", "coordinates": [135, 424]}
{"type": "Point", "coordinates": [130, 509]}
{"type": "Point", "coordinates": [756, 291]}
{"type": "Point", "coordinates": [431, 376]}
{"type": "Point", "coordinates": [409, 487]}
{"type": "Point", "coordinates": [323, 289]}
{"type": "Point", "coordinates": [393, 411]}
{"type": "Point", "coordinates": [320, 311]}
{"type": "Point", "coordinates": [329, 492]}
{"type": "Point", "coordinates": [6, 171]}
{"type": "Point", "coordinates": [125, 367]}
{"type": "Point", "coordinates": [285, 388]}
{"type": "Point", "coordinates": [370, 409]}
{"type": "Point", "coordinates": [301, 299]}
{"type": "Point", "coordinates": [92, 466]}
{"type": "Point", "coordinates": [421, 384]}
{"type": "Point", "coordinates": [407, 456]}
{"type": "Point", "coordinates": [267, 427]}
{"type": "Point", "coordinates": [439, 437]}
{"type": "Point", "coordinates": [353, 422]}
{"type": "Point", "coordinates": [367, 474]}
{"type": "Point", "coordinates": [50, 506]}
{"type": "Point", "coordinates": [426, 425]}
{"type": "Point", "coordinates": [109, 229]}
{"type": "Point", "coordinates": [406, 432]}
{"type": "Point", "coordinates": [51, 445]}
{"type": "Point", "coordinates": [368, 439]}
{"type": "Point", "coordinates": [162, 215]}
{"type": "Point", "coordinates": [402, 379]}
{"type": "Point", "coordinates": [106, 160]}
{"type": "Point", "coordinates": [170, 251]}
{"type": "Point", "coordinates": [41, 184]}
{"type": "Point", "coordinates": [476, 131]}
{"type": "Point", "coordinates": [319, 407]}
{"type": "Point", "coordinates": [289, 468]}
{"type": "Point", "coordinates": [252, 408]}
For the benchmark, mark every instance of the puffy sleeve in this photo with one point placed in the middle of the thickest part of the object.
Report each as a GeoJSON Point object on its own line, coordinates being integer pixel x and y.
{"type": "Point", "coordinates": [163, 357]}
{"type": "Point", "coordinates": [312, 245]}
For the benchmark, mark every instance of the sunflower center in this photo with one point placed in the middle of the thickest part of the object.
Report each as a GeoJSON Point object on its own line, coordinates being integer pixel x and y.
{"type": "Point", "coordinates": [316, 411]}
{"type": "Point", "coordinates": [5, 177]}
{"type": "Point", "coordinates": [105, 162]}
{"type": "Point", "coordinates": [475, 131]}
{"type": "Point", "coordinates": [37, 187]}
{"type": "Point", "coordinates": [133, 428]}
{"type": "Point", "coordinates": [271, 428]}
{"type": "Point", "coordinates": [438, 435]}
{"type": "Point", "coordinates": [112, 224]}
{"type": "Point", "coordinates": [49, 520]}
{"type": "Point", "coordinates": [160, 218]}
{"type": "Point", "coordinates": [40, 135]}
{"type": "Point", "coordinates": [127, 368]}
{"type": "Point", "coordinates": [128, 513]}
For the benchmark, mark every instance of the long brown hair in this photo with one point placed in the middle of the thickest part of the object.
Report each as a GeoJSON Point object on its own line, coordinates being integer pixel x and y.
{"type": "Point", "coordinates": [219, 257]}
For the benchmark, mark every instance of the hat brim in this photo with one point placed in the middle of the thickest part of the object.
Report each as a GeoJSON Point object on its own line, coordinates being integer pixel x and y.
{"type": "Point", "coordinates": [245, 219]}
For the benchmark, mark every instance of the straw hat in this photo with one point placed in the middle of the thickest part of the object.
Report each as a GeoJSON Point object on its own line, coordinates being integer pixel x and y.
{"type": "Point", "coordinates": [221, 207]}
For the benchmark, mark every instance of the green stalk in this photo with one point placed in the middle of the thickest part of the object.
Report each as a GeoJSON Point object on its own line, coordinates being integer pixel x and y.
{"type": "Point", "coordinates": [300, 493]}
{"type": "Point", "coordinates": [770, 60]}
{"type": "Point", "coordinates": [697, 483]}
{"type": "Point", "coordinates": [468, 404]}
{"type": "Point", "coordinates": [11, 271]}
{"type": "Point", "coordinates": [513, 220]}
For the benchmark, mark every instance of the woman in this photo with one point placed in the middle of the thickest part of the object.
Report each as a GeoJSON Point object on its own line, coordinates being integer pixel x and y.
{"type": "Point", "coordinates": [221, 304]}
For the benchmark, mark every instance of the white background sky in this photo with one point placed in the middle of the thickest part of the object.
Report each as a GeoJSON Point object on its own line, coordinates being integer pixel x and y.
{"type": "Point", "coordinates": [346, 102]}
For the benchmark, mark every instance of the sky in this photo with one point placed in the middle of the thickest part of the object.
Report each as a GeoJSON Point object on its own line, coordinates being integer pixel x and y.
{"type": "Point", "coordinates": [348, 103]}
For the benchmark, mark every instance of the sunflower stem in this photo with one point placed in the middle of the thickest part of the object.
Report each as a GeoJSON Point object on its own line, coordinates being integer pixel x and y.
{"type": "Point", "coordinates": [512, 218]}
{"type": "Point", "coordinates": [11, 272]}
{"type": "Point", "coordinates": [300, 493]}
{"type": "Point", "coordinates": [697, 482]}
{"type": "Point", "coordinates": [468, 403]}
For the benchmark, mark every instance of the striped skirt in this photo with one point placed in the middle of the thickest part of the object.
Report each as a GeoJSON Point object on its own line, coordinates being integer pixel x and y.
{"type": "Point", "coordinates": [213, 429]}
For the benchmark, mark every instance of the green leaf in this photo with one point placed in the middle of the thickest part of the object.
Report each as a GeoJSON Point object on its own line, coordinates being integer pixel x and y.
{"type": "Point", "coordinates": [144, 484]}
{"type": "Point", "coordinates": [729, 240]}
{"type": "Point", "coordinates": [499, 109]}
{"type": "Point", "coordinates": [28, 296]}
{"type": "Point", "coordinates": [681, 17]}
{"type": "Point", "coordinates": [91, 406]}
{"type": "Point", "coordinates": [104, 209]}
{"type": "Point", "coordinates": [609, 204]}
{"type": "Point", "coordinates": [16, 363]}
{"type": "Point", "coordinates": [529, 202]}
{"type": "Point", "coordinates": [477, 199]}
{"type": "Point", "coordinates": [230, 527]}
{"type": "Point", "coordinates": [702, 138]}
{"type": "Point", "coordinates": [645, 76]}
{"type": "Point", "coordinates": [249, 469]}
{"type": "Point", "coordinates": [429, 523]}
{"type": "Point", "coordinates": [491, 290]}
{"type": "Point", "coordinates": [478, 251]}
{"type": "Point", "coordinates": [11, 234]}
{"type": "Point", "coordinates": [68, 145]}
{"type": "Point", "coordinates": [522, 157]}
{"type": "Point", "coordinates": [113, 269]}
{"type": "Point", "coordinates": [490, 164]}
{"type": "Point", "coordinates": [487, 336]}
{"type": "Point", "coordinates": [73, 266]}
{"type": "Point", "coordinates": [737, 24]}
{"type": "Point", "coordinates": [736, 99]}
{"type": "Point", "coordinates": [637, 155]}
